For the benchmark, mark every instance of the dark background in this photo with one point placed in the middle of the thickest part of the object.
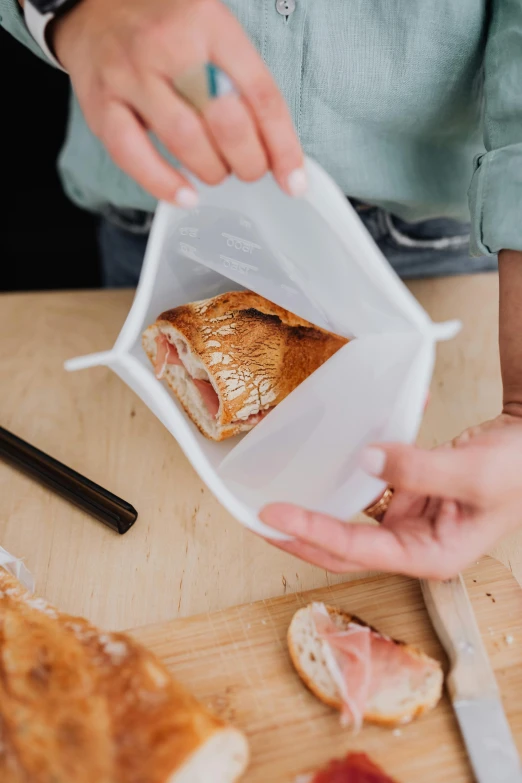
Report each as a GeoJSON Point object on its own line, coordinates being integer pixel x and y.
{"type": "Point", "coordinates": [45, 241]}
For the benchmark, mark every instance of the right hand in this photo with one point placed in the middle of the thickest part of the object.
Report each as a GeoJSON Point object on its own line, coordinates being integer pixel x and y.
{"type": "Point", "coordinates": [122, 57]}
{"type": "Point", "coordinates": [450, 507]}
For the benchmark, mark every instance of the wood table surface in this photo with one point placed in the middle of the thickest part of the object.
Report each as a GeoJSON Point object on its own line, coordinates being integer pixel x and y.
{"type": "Point", "coordinates": [185, 554]}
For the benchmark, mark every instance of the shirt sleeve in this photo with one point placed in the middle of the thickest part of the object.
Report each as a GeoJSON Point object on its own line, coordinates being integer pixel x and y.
{"type": "Point", "coordinates": [496, 187]}
{"type": "Point", "coordinates": [12, 20]}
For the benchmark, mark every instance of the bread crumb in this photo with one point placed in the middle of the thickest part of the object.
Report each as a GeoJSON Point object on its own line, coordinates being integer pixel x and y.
{"type": "Point", "coordinates": [397, 733]}
{"type": "Point", "coordinates": [508, 639]}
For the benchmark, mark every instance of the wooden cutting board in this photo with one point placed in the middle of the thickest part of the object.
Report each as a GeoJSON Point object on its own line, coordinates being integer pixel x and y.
{"type": "Point", "coordinates": [236, 661]}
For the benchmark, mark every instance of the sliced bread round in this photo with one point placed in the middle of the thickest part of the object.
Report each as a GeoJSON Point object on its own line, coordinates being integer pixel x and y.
{"type": "Point", "coordinates": [389, 706]}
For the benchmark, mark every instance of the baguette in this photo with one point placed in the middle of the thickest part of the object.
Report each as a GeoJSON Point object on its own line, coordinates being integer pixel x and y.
{"type": "Point", "coordinates": [77, 704]}
{"type": "Point", "coordinates": [231, 359]}
{"type": "Point", "coordinates": [375, 678]}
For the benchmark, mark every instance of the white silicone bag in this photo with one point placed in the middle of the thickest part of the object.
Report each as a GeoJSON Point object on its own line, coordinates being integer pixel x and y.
{"type": "Point", "coordinates": [312, 256]}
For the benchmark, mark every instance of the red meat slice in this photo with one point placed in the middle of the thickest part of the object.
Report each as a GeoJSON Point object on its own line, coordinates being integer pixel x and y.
{"type": "Point", "coordinates": [368, 663]}
{"type": "Point", "coordinates": [351, 650]}
{"type": "Point", "coordinates": [355, 768]}
{"type": "Point", "coordinates": [166, 353]}
{"type": "Point", "coordinates": [208, 395]}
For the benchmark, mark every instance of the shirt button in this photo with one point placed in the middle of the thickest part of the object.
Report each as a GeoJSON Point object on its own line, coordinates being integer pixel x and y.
{"type": "Point", "coordinates": [285, 7]}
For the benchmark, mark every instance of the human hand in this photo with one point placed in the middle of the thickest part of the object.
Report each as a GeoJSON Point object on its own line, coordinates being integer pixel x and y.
{"type": "Point", "coordinates": [123, 57]}
{"type": "Point", "coordinates": [451, 505]}
{"type": "Point", "coordinates": [505, 419]}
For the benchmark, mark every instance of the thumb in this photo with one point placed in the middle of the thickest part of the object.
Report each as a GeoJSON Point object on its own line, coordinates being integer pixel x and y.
{"type": "Point", "coordinates": [446, 473]}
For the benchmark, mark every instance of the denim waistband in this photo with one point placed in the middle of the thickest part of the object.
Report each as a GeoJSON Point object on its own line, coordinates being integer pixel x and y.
{"type": "Point", "coordinates": [435, 234]}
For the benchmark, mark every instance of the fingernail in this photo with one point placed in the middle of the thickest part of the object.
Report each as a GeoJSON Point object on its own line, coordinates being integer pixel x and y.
{"type": "Point", "coordinates": [187, 198]}
{"type": "Point", "coordinates": [373, 461]}
{"type": "Point", "coordinates": [297, 182]}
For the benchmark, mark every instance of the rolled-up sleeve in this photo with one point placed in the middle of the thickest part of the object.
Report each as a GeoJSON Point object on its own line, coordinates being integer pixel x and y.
{"type": "Point", "coordinates": [12, 20]}
{"type": "Point", "coordinates": [496, 187]}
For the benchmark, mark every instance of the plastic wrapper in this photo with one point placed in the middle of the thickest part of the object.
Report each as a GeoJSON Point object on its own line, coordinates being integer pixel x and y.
{"type": "Point", "coordinates": [16, 568]}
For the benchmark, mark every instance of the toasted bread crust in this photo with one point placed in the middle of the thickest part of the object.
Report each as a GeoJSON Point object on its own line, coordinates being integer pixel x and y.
{"type": "Point", "coordinates": [254, 352]}
{"type": "Point", "coordinates": [395, 719]}
{"type": "Point", "coordinates": [223, 433]}
{"type": "Point", "coordinates": [77, 704]}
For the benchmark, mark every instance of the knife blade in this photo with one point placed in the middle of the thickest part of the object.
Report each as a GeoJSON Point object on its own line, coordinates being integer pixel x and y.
{"type": "Point", "coordinates": [471, 684]}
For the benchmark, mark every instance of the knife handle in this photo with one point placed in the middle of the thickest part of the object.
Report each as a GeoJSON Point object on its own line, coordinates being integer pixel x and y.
{"type": "Point", "coordinates": [452, 616]}
{"type": "Point", "coordinates": [90, 497]}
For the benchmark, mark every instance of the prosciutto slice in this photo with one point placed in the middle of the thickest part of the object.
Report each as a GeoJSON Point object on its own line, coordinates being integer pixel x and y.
{"type": "Point", "coordinates": [167, 353]}
{"type": "Point", "coordinates": [348, 657]}
{"type": "Point", "coordinates": [208, 395]}
{"type": "Point", "coordinates": [363, 663]}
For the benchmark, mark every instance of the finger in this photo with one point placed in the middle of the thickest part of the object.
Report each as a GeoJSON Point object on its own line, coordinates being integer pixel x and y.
{"type": "Point", "coordinates": [235, 135]}
{"type": "Point", "coordinates": [446, 540]}
{"type": "Point", "coordinates": [180, 130]}
{"type": "Point", "coordinates": [404, 504]}
{"type": "Point", "coordinates": [320, 530]}
{"type": "Point", "coordinates": [413, 549]}
{"type": "Point", "coordinates": [131, 149]}
{"type": "Point", "coordinates": [433, 508]}
{"type": "Point", "coordinates": [364, 546]}
{"type": "Point", "coordinates": [447, 517]}
{"type": "Point", "coordinates": [233, 52]}
{"type": "Point", "coordinates": [436, 546]}
{"type": "Point", "coordinates": [487, 427]}
{"type": "Point", "coordinates": [463, 474]}
{"type": "Point", "coordinates": [468, 435]}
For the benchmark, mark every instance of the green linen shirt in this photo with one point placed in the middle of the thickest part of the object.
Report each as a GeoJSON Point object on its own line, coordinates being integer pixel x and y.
{"type": "Point", "coordinates": [412, 105]}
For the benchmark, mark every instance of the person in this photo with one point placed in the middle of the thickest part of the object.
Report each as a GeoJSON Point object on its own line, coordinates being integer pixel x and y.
{"type": "Point", "coordinates": [406, 104]}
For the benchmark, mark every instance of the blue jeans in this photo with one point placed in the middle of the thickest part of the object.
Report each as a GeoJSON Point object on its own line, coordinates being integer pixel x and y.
{"type": "Point", "coordinates": [432, 248]}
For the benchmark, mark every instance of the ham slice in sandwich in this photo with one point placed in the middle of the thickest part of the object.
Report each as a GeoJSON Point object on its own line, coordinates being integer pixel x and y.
{"type": "Point", "coordinates": [231, 359]}
{"type": "Point", "coordinates": [365, 675]}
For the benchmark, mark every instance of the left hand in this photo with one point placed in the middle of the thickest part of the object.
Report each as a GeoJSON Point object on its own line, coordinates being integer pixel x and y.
{"type": "Point", "coordinates": [451, 505]}
{"type": "Point", "coordinates": [124, 58]}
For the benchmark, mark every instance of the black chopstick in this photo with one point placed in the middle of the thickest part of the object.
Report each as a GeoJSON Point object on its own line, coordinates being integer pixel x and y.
{"type": "Point", "coordinates": [96, 501]}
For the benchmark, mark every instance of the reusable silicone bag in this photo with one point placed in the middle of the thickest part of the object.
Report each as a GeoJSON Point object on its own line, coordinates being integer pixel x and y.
{"type": "Point", "coordinates": [314, 257]}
